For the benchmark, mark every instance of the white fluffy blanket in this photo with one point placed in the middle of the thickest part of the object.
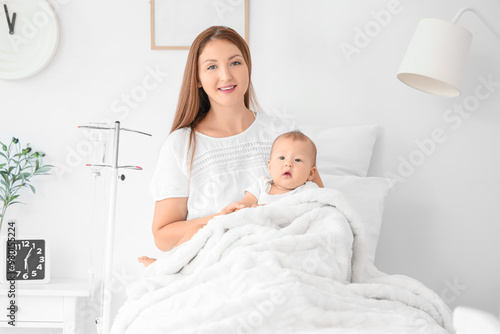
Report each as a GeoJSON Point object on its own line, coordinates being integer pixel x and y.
{"type": "Point", "coordinates": [295, 266]}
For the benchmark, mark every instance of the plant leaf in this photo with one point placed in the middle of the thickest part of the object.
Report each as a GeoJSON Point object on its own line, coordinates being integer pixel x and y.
{"type": "Point", "coordinates": [18, 164]}
{"type": "Point", "coordinates": [4, 175]}
{"type": "Point", "coordinates": [43, 169]}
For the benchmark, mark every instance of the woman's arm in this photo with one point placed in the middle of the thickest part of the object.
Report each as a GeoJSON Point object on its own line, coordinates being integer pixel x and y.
{"type": "Point", "coordinates": [317, 180]}
{"type": "Point", "coordinates": [170, 227]}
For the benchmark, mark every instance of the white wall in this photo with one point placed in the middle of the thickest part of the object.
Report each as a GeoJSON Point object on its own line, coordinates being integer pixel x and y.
{"type": "Point", "coordinates": [441, 224]}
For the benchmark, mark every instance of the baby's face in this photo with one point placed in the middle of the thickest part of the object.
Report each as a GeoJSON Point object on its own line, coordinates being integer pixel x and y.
{"type": "Point", "coordinates": [291, 163]}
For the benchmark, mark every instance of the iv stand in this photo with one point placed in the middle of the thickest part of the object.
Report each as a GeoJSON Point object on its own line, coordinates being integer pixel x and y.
{"type": "Point", "coordinates": [103, 322]}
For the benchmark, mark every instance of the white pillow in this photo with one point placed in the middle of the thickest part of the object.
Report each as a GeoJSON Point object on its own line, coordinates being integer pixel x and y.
{"type": "Point", "coordinates": [343, 150]}
{"type": "Point", "coordinates": [468, 320]}
{"type": "Point", "coordinates": [367, 195]}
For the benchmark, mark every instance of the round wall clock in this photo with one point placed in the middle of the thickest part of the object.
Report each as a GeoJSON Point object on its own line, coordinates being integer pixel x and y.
{"type": "Point", "coordinates": [29, 36]}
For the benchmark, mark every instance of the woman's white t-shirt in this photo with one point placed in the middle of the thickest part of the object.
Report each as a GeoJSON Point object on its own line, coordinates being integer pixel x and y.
{"type": "Point", "coordinates": [222, 167]}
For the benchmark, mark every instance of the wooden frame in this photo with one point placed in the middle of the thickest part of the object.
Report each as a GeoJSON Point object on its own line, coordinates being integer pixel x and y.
{"type": "Point", "coordinates": [197, 15]}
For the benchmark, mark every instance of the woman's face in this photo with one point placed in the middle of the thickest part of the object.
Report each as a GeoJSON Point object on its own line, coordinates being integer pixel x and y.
{"type": "Point", "coordinates": [223, 74]}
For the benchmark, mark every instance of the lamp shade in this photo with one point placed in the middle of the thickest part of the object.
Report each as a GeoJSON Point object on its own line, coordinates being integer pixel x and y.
{"type": "Point", "coordinates": [435, 59]}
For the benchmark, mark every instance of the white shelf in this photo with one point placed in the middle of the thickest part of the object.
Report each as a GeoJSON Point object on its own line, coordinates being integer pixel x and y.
{"type": "Point", "coordinates": [56, 287]}
{"type": "Point", "coordinates": [47, 305]}
{"type": "Point", "coordinates": [34, 324]}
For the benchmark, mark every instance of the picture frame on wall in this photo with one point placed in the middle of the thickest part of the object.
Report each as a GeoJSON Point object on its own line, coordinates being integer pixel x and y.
{"type": "Point", "coordinates": [175, 24]}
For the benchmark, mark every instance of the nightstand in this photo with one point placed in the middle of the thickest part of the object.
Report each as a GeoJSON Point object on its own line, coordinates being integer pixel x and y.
{"type": "Point", "coordinates": [50, 305]}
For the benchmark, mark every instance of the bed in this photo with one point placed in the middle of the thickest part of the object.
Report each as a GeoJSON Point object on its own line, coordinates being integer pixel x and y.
{"type": "Point", "coordinates": [299, 265]}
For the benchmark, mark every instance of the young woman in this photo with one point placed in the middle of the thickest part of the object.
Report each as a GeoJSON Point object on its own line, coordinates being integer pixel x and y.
{"type": "Point", "coordinates": [217, 145]}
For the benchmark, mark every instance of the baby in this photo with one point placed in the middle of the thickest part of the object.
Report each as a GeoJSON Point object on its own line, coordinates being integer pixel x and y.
{"type": "Point", "coordinates": [292, 167]}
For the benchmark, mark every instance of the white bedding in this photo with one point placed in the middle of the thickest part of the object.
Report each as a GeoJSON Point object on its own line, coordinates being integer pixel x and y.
{"type": "Point", "coordinates": [295, 266]}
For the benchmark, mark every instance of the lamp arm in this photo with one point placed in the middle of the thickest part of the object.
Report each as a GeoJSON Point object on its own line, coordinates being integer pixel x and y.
{"type": "Point", "coordinates": [481, 17]}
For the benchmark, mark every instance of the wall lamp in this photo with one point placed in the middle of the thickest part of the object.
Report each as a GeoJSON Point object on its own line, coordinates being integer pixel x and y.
{"type": "Point", "coordinates": [435, 59]}
{"type": "Point", "coordinates": [434, 63]}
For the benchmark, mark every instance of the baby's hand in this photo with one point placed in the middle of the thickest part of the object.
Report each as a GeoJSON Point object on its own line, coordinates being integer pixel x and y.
{"type": "Point", "coordinates": [146, 261]}
{"type": "Point", "coordinates": [232, 208]}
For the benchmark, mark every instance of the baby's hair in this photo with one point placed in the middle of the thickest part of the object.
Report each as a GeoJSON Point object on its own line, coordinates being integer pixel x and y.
{"type": "Point", "coordinates": [298, 135]}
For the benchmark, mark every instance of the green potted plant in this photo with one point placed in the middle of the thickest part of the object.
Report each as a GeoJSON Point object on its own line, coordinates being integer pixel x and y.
{"type": "Point", "coordinates": [17, 167]}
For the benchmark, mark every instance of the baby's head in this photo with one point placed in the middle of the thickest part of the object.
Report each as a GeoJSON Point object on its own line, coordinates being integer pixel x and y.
{"type": "Point", "coordinates": [293, 160]}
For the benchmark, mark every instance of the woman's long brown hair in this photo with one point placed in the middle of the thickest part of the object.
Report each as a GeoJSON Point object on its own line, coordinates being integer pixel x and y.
{"type": "Point", "coordinates": [193, 102]}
